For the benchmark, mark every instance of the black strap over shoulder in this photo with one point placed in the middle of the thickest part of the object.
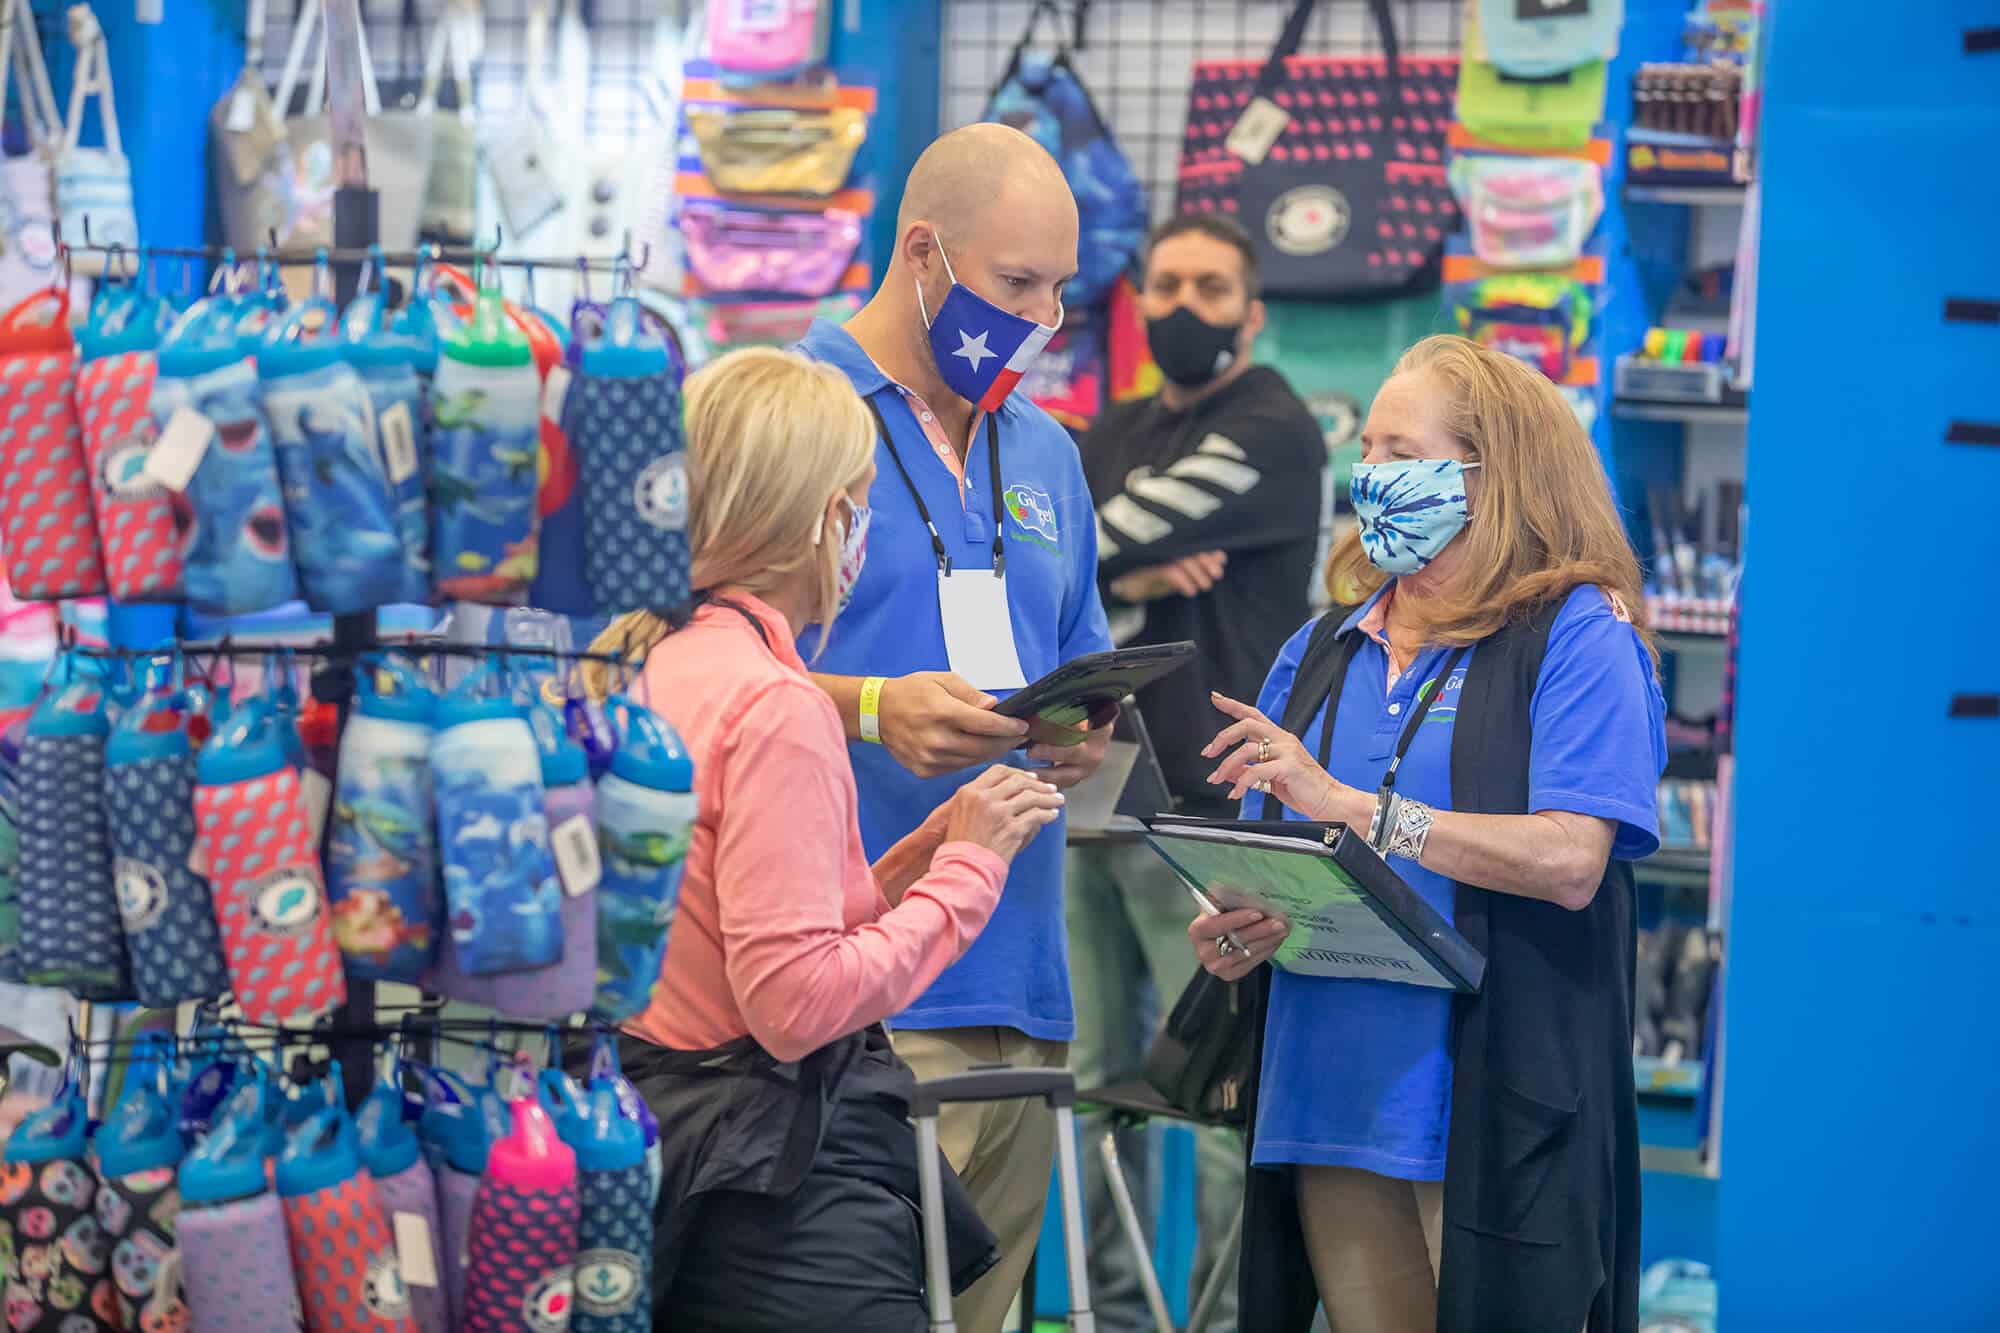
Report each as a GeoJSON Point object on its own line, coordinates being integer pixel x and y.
{"type": "Point", "coordinates": [678, 617]}
{"type": "Point", "coordinates": [1325, 660]}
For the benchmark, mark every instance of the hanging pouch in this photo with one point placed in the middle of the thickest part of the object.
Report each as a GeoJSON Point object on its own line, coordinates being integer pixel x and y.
{"type": "Point", "coordinates": [451, 188]}
{"type": "Point", "coordinates": [737, 250]}
{"type": "Point", "coordinates": [501, 888]}
{"type": "Point", "coordinates": [1540, 318]}
{"type": "Point", "coordinates": [237, 555]}
{"type": "Point", "coordinates": [1527, 212]}
{"type": "Point", "coordinates": [1547, 37]}
{"type": "Point", "coordinates": [614, 1260]}
{"type": "Point", "coordinates": [1555, 110]}
{"type": "Point", "coordinates": [10, 849]}
{"type": "Point", "coordinates": [645, 819]}
{"type": "Point", "coordinates": [342, 1249]}
{"type": "Point", "coordinates": [114, 387]}
{"type": "Point", "coordinates": [385, 357]}
{"type": "Point", "coordinates": [777, 150]}
{"type": "Point", "coordinates": [563, 987]}
{"type": "Point", "coordinates": [28, 241]}
{"type": "Point", "coordinates": [94, 185]}
{"type": "Point", "coordinates": [256, 840]}
{"type": "Point", "coordinates": [48, 1197]}
{"type": "Point", "coordinates": [521, 151]}
{"type": "Point", "coordinates": [627, 423]}
{"type": "Point", "coordinates": [46, 522]}
{"type": "Point", "coordinates": [70, 935]}
{"type": "Point", "coordinates": [346, 538]}
{"type": "Point", "coordinates": [755, 41]}
{"type": "Point", "coordinates": [138, 1149]}
{"type": "Point", "coordinates": [165, 907]}
{"type": "Point", "coordinates": [485, 459]}
{"type": "Point", "coordinates": [560, 585]}
{"type": "Point", "coordinates": [381, 856]}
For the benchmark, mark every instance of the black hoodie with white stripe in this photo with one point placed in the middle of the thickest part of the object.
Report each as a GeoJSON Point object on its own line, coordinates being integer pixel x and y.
{"type": "Point", "coordinates": [1239, 472]}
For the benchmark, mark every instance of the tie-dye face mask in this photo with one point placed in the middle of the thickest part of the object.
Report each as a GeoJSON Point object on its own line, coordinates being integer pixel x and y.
{"type": "Point", "coordinates": [1409, 510]}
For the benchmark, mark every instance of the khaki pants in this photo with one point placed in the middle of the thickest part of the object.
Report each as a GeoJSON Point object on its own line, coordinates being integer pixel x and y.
{"type": "Point", "coordinates": [1001, 1150]}
{"type": "Point", "coordinates": [1373, 1243]}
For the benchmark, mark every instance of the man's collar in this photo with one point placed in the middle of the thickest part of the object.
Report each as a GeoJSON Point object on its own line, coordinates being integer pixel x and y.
{"type": "Point", "coordinates": [829, 342]}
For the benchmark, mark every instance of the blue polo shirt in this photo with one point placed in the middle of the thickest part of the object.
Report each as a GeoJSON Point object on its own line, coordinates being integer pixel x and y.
{"type": "Point", "coordinates": [1016, 974]}
{"type": "Point", "coordinates": [1358, 1073]}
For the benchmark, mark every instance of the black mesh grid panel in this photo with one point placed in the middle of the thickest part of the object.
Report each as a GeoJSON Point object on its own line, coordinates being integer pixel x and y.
{"type": "Point", "coordinates": [1137, 56]}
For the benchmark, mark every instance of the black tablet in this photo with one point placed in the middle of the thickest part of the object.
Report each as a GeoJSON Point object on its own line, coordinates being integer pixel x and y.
{"type": "Point", "coordinates": [1068, 695]}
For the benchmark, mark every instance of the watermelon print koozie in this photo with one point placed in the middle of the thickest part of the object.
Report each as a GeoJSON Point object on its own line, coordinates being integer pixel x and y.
{"type": "Point", "coordinates": [518, 1270]}
{"type": "Point", "coordinates": [265, 877]}
{"type": "Point", "coordinates": [46, 522]}
{"type": "Point", "coordinates": [135, 514]}
{"type": "Point", "coordinates": [345, 1259]}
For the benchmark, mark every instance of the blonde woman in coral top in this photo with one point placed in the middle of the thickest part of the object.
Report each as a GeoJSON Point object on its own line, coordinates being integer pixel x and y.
{"type": "Point", "coordinates": [790, 1164]}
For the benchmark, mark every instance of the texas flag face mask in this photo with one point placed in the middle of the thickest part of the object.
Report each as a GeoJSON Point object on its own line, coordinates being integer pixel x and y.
{"type": "Point", "coordinates": [981, 350]}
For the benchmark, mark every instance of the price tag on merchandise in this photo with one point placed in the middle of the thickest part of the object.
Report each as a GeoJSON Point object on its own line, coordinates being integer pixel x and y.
{"type": "Point", "coordinates": [1257, 129]}
{"type": "Point", "coordinates": [242, 112]}
{"type": "Point", "coordinates": [178, 452]}
{"type": "Point", "coordinates": [577, 861]}
{"type": "Point", "coordinates": [415, 1255]}
{"type": "Point", "coordinates": [399, 443]}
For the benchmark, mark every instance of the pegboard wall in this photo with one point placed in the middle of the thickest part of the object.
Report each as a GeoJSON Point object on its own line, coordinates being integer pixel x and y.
{"type": "Point", "coordinates": [1137, 55]}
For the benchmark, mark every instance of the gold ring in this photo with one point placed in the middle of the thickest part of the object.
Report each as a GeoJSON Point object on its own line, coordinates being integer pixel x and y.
{"type": "Point", "coordinates": [1263, 749]}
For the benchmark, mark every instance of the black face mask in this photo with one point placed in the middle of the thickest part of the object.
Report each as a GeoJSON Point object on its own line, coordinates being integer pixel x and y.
{"type": "Point", "coordinates": [1188, 349]}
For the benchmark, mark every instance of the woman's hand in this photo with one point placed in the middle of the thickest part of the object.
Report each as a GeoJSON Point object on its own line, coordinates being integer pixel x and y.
{"type": "Point", "coordinates": [1260, 756]}
{"type": "Point", "coordinates": [1001, 810]}
{"type": "Point", "coordinates": [1219, 955]}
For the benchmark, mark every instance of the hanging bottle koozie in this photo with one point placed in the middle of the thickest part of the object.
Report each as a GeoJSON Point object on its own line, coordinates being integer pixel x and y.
{"type": "Point", "coordinates": [408, 1191]}
{"type": "Point", "coordinates": [565, 986]}
{"type": "Point", "coordinates": [236, 1258]}
{"type": "Point", "coordinates": [381, 856]}
{"type": "Point", "coordinates": [645, 819]}
{"type": "Point", "coordinates": [501, 889]}
{"type": "Point", "coordinates": [256, 840]}
{"type": "Point", "coordinates": [627, 423]}
{"type": "Point", "coordinates": [467, 1130]}
{"type": "Point", "coordinates": [166, 908]}
{"type": "Point", "coordinates": [70, 932]}
{"type": "Point", "coordinates": [47, 1203]}
{"type": "Point", "coordinates": [560, 583]}
{"type": "Point", "coordinates": [138, 1203]}
{"type": "Point", "coordinates": [485, 457]}
{"type": "Point", "coordinates": [604, 1070]}
{"type": "Point", "coordinates": [346, 539]}
{"type": "Point", "coordinates": [519, 1271]}
{"type": "Point", "coordinates": [614, 1256]}
{"type": "Point", "coordinates": [11, 739]}
{"type": "Point", "coordinates": [237, 553]}
{"type": "Point", "coordinates": [349, 1279]}
{"type": "Point", "coordinates": [46, 526]}
{"type": "Point", "coordinates": [385, 358]}
{"type": "Point", "coordinates": [114, 388]}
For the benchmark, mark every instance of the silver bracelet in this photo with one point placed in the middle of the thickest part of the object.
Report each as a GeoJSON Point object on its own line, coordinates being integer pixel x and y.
{"type": "Point", "coordinates": [1383, 821]}
{"type": "Point", "coordinates": [1413, 830]}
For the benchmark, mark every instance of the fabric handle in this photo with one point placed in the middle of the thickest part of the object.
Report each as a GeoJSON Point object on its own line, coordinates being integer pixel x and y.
{"type": "Point", "coordinates": [310, 20]}
{"type": "Point", "coordinates": [1293, 36]}
{"type": "Point", "coordinates": [92, 77]}
{"type": "Point", "coordinates": [457, 37]}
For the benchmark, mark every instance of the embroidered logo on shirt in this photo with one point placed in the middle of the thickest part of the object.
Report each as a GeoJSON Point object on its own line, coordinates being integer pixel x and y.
{"type": "Point", "coordinates": [1035, 514]}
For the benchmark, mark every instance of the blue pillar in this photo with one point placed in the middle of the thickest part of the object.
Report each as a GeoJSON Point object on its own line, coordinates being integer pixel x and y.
{"type": "Point", "coordinates": [896, 42]}
{"type": "Point", "coordinates": [1857, 1150]}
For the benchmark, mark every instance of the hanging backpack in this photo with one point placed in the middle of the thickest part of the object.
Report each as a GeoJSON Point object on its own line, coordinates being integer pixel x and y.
{"type": "Point", "coordinates": [759, 41]}
{"type": "Point", "coordinates": [1046, 100]}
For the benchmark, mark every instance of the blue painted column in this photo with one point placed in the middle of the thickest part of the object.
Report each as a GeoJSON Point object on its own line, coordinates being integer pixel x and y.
{"type": "Point", "coordinates": [896, 42]}
{"type": "Point", "coordinates": [1858, 1146]}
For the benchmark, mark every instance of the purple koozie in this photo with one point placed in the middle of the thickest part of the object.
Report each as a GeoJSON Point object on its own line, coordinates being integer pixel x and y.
{"type": "Point", "coordinates": [565, 986]}
{"type": "Point", "coordinates": [520, 1271]}
{"type": "Point", "coordinates": [236, 1264]}
{"type": "Point", "coordinates": [412, 1193]}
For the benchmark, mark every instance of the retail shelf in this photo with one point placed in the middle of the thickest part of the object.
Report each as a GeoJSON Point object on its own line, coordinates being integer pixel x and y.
{"type": "Point", "coordinates": [1700, 196]}
{"type": "Point", "coordinates": [1678, 1162]}
{"type": "Point", "coordinates": [1691, 414]}
{"type": "Point", "coordinates": [1657, 1078]}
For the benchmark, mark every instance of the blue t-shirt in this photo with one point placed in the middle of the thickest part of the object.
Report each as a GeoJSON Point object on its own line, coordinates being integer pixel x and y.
{"type": "Point", "coordinates": [1016, 974]}
{"type": "Point", "coordinates": [1358, 1073]}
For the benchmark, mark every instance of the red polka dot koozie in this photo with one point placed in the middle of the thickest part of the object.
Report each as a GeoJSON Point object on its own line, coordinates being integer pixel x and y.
{"type": "Point", "coordinates": [520, 1268]}
{"type": "Point", "coordinates": [264, 874]}
{"type": "Point", "coordinates": [46, 522]}
{"type": "Point", "coordinates": [135, 514]}
{"type": "Point", "coordinates": [345, 1260]}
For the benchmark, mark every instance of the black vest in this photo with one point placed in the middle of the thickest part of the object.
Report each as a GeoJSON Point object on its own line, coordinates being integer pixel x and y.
{"type": "Point", "coordinates": [1541, 1196]}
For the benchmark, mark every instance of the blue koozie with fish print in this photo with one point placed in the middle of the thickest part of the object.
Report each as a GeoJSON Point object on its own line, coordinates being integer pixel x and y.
{"type": "Point", "coordinates": [346, 538]}
{"type": "Point", "coordinates": [381, 854]}
{"type": "Point", "coordinates": [485, 460]}
{"type": "Point", "coordinates": [645, 818]}
{"type": "Point", "coordinates": [627, 424]}
{"type": "Point", "coordinates": [501, 888]}
{"type": "Point", "coordinates": [70, 934]}
{"type": "Point", "coordinates": [385, 358]}
{"type": "Point", "coordinates": [237, 550]}
{"type": "Point", "coordinates": [167, 911]}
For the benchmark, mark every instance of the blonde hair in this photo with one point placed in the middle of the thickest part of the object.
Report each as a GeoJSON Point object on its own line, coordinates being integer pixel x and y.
{"type": "Point", "coordinates": [771, 436]}
{"type": "Point", "coordinates": [1544, 523]}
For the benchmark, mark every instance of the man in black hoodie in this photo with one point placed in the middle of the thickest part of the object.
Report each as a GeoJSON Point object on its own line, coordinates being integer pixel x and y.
{"type": "Point", "coordinates": [1209, 499]}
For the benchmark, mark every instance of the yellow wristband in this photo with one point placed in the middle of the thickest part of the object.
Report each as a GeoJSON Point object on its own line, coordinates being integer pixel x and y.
{"type": "Point", "coordinates": [871, 709]}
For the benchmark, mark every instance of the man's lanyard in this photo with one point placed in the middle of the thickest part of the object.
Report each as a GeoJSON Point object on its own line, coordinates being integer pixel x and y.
{"type": "Point", "coordinates": [1416, 719]}
{"type": "Point", "coordinates": [923, 510]}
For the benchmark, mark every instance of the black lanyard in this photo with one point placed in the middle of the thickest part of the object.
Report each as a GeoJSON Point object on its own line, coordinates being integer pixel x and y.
{"type": "Point", "coordinates": [923, 510]}
{"type": "Point", "coordinates": [1416, 719]}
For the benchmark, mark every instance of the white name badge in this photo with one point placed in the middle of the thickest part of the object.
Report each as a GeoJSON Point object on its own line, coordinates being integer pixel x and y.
{"type": "Point", "coordinates": [978, 631]}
